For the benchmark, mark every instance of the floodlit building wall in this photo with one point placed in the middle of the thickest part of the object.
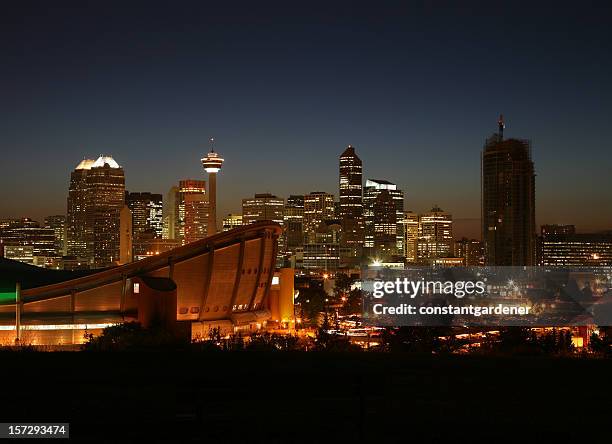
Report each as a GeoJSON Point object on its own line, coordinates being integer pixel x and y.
{"type": "Point", "coordinates": [232, 268]}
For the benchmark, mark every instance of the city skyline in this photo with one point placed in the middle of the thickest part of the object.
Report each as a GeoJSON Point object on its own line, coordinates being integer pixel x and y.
{"type": "Point", "coordinates": [469, 227]}
{"type": "Point", "coordinates": [415, 92]}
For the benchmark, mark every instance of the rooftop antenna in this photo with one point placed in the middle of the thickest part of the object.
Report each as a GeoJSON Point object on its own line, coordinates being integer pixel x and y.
{"type": "Point", "coordinates": [212, 144]}
{"type": "Point", "coordinates": [501, 125]}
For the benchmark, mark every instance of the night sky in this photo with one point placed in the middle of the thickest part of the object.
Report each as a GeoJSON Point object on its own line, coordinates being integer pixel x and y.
{"type": "Point", "coordinates": [284, 88]}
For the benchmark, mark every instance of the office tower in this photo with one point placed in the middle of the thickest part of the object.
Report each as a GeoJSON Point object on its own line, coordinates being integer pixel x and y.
{"type": "Point", "coordinates": [187, 211]}
{"type": "Point", "coordinates": [267, 207]}
{"type": "Point", "coordinates": [560, 245]}
{"type": "Point", "coordinates": [318, 206]}
{"type": "Point", "coordinates": [232, 221]}
{"type": "Point", "coordinates": [58, 225]}
{"type": "Point", "coordinates": [294, 224]}
{"type": "Point", "coordinates": [170, 214]}
{"type": "Point", "coordinates": [25, 240]}
{"type": "Point", "coordinates": [384, 226]}
{"type": "Point", "coordinates": [471, 251]}
{"type": "Point", "coordinates": [196, 212]}
{"type": "Point", "coordinates": [371, 191]}
{"type": "Point", "coordinates": [263, 206]}
{"type": "Point", "coordinates": [76, 219]}
{"type": "Point", "coordinates": [105, 199]}
{"type": "Point", "coordinates": [126, 231]}
{"type": "Point", "coordinates": [147, 219]}
{"type": "Point", "coordinates": [508, 200]}
{"type": "Point", "coordinates": [435, 235]}
{"type": "Point", "coordinates": [410, 224]}
{"type": "Point", "coordinates": [350, 209]}
{"type": "Point", "coordinates": [146, 211]}
{"type": "Point", "coordinates": [322, 253]}
{"type": "Point", "coordinates": [212, 165]}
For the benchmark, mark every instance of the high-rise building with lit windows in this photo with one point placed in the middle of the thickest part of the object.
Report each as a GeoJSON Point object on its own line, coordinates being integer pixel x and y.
{"type": "Point", "coordinates": [318, 207]}
{"type": "Point", "coordinates": [350, 207]}
{"type": "Point", "coordinates": [508, 201]}
{"type": "Point", "coordinates": [105, 199]}
{"type": "Point", "coordinates": [410, 223]}
{"type": "Point", "coordinates": [192, 210]}
{"type": "Point", "coordinates": [435, 235]}
{"type": "Point", "coordinates": [170, 214]}
{"type": "Point", "coordinates": [373, 188]}
{"type": "Point", "coordinates": [147, 222]}
{"type": "Point", "coordinates": [294, 224]}
{"type": "Point", "coordinates": [58, 224]}
{"type": "Point", "coordinates": [266, 207]}
{"type": "Point", "coordinates": [95, 198]}
{"type": "Point", "coordinates": [384, 227]}
{"type": "Point", "coordinates": [185, 212]}
{"type": "Point", "coordinates": [76, 219]}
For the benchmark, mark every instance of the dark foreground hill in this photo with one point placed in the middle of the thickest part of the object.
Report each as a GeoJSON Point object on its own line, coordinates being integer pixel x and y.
{"type": "Point", "coordinates": [306, 397]}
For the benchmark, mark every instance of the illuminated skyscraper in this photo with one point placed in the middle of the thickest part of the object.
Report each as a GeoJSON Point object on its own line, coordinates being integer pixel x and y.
{"type": "Point", "coordinates": [147, 223]}
{"type": "Point", "coordinates": [105, 199]}
{"type": "Point", "coordinates": [76, 237]}
{"type": "Point", "coordinates": [384, 226]}
{"type": "Point", "coordinates": [508, 201]}
{"type": "Point", "coordinates": [185, 212]}
{"type": "Point", "coordinates": [318, 207]}
{"type": "Point", "coordinates": [146, 213]}
{"type": "Point", "coordinates": [371, 191]}
{"type": "Point", "coordinates": [294, 224]}
{"type": "Point", "coordinates": [58, 225]}
{"type": "Point", "coordinates": [193, 210]}
{"type": "Point", "coordinates": [266, 207]}
{"type": "Point", "coordinates": [351, 203]}
{"type": "Point", "coordinates": [410, 224]}
{"type": "Point", "coordinates": [435, 235]}
{"type": "Point", "coordinates": [170, 215]}
{"type": "Point", "coordinates": [212, 165]}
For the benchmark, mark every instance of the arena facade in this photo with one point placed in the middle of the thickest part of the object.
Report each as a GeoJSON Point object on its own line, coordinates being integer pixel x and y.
{"type": "Point", "coordinates": [222, 281]}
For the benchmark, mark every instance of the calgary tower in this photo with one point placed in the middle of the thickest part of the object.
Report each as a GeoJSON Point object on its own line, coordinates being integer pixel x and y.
{"type": "Point", "coordinates": [212, 164]}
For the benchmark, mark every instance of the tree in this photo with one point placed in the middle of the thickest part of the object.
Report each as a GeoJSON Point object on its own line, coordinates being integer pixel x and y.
{"type": "Point", "coordinates": [353, 303]}
{"type": "Point", "coordinates": [312, 302]}
{"type": "Point", "coordinates": [131, 336]}
{"type": "Point", "coordinates": [601, 343]}
{"type": "Point", "coordinates": [342, 285]}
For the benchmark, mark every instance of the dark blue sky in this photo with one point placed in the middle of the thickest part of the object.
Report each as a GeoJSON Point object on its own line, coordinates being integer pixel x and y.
{"type": "Point", "coordinates": [284, 88]}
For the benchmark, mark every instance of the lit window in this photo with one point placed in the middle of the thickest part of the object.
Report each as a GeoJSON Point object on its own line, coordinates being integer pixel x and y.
{"type": "Point", "coordinates": [136, 288]}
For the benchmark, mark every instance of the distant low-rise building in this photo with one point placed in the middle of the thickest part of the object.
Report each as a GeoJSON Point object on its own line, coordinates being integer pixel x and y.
{"type": "Point", "coordinates": [565, 247]}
